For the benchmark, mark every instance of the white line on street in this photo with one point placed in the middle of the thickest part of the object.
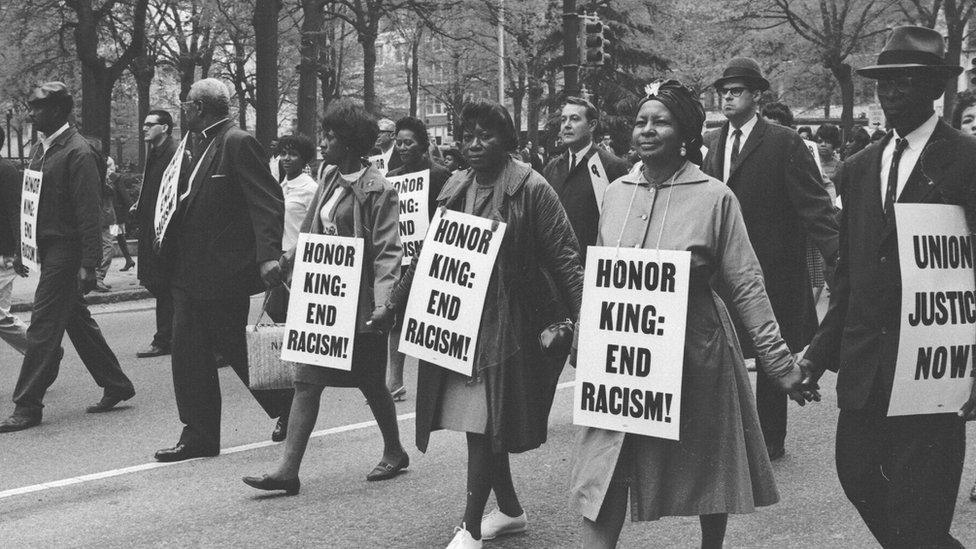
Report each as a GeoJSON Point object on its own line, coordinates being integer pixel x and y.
{"type": "Point", "coordinates": [225, 451]}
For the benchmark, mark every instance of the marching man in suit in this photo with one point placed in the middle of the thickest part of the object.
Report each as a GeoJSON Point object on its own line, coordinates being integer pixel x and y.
{"type": "Point", "coordinates": [901, 473]}
{"type": "Point", "coordinates": [582, 173]}
{"type": "Point", "coordinates": [223, 243]}
{"type": "Point", "coordinates": [784, 201]}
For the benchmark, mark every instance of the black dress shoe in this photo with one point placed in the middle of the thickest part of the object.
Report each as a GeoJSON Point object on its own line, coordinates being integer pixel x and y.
{"type": "Point", "coordinates": [775, 452]}
{"type": "Point", "coordinates": [384, 470]}
{"type": "Point", "coordinates": [291, 486]}
{"type": "Point", "coordinates": [280, 432]}
{"type": "Point", "coordinates": [107, 403]}
{"type": "Point", "coordinates": [19, 422]}
{"type": "Point", "coordinates": [153, 350]}
{"type": "Point", "coordinates": [182, 452]}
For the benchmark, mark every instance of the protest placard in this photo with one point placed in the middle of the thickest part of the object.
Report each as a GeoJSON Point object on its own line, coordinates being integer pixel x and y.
{"type": "Point", "coordinates": [443, 314]}
{"type": "Point", "coordinates": [382, 161]}
{"type": "Point", "coordinates": [167, 199]}
{"type": "Point", "coordinates": [632, 340]}
{"type": "Point", "coordinates": [937, 339]}
{"type": "Point", "coordinates": [412, 193]}
{"type": "Point", "coordinates": [30, 199]}
{"type": "Point", "coordinates": [321, 324]}
{"type": "Point", "coordinates": [815, 151]}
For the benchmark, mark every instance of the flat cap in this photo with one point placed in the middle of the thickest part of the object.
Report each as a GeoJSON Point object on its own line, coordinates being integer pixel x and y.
{"type": "Point", "coordinates": [51, 91]}
{"type": "Point", "coordinates": [387, 125]}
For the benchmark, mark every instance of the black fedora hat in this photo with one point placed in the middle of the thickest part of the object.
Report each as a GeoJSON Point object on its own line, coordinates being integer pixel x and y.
{"type": "Point", "coordinates": [912, 50]}
{"type": "Point", "coordinates": [744, 68]}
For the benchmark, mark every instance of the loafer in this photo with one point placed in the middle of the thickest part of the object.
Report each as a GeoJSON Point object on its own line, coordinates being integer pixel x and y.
{"type": "Point", "coordinates": [102, 287]}
{"type": "Point", "coordinates": [107, 403]}
{"type": "Point", "coordinates": [463, 539]}
{"type": "Point", "coordinates": [496, 524]}
{"type": "Point", "coordinates": [291, 486]}
{"type": "Point", "coordinates": [280, 432]}
{"type": "Point", "coordinates": [400, 394]}
{"type": "Point", "coordinates": [19, 422]}
{"type": "Point", "coordinates": [153, 350]}
{"type": "Point", "coordinates": [182, 452]}
{"type": "Point", "coordinates": [775, 452]}
{"type": "Point", "coordinates": [128, 265]}
{"type": "Point", "coordinates": [384, 470]}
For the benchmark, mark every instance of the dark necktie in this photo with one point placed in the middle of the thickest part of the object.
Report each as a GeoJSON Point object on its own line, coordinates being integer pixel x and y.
{"type": "Point", "coordinates": [735, 146]}
{"type": "Point", "coordinates": [572, 161]}
{"type": "Point", "coordinates": [891, 193]}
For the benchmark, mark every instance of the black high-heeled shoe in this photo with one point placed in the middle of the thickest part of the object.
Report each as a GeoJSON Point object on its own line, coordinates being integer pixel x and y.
{"type": "Point", "coordinates": [291, 486]}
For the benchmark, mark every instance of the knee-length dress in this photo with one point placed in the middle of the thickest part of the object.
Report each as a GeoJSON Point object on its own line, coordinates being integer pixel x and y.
{"type": "Point", "coordinates": [720, 464]}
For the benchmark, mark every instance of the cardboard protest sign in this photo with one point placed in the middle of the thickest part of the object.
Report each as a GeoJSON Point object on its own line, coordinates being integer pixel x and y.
{"type": "Point", "coordinates": [815, 151]}
{"type": "Point", "coordinates": [413, 194]}
{"type": "Point", "coordinates": [30, 200]}
{"type": "Point", "coordinates": [937, 340]}
{"type": "Point", "coordinates": [382, 161]}
{"type": "Point", "coordinates": [632, 340]}
{"type": "Point", "coordinates": [321, 324]}
{"type": "Point", "coordinates": [443, 314]}
{"type": "Point", "coordinates": [168, 198]}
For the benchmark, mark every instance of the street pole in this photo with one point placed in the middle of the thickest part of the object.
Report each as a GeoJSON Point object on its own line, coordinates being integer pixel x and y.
{"type": "Point", "coordinates": [501, 52]}
{"type": "Point", "coordinates": [570, 48]}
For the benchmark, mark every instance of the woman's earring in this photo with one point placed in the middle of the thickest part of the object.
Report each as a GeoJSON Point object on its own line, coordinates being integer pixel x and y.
{"type": "Point", "coordinates": [683, 151]}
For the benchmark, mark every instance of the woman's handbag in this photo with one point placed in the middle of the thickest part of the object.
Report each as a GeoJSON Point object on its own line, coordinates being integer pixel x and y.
{"type": "Point", "coordinates": [266, 370]}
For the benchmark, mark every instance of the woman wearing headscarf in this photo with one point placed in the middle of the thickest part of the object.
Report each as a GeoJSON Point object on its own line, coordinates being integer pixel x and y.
{"type": "Point", "coordinates": [720, 464]}
{"type": "Point", "coordinates": [537, 278]}
{"type": "Point", "coordinates": [353, 199]}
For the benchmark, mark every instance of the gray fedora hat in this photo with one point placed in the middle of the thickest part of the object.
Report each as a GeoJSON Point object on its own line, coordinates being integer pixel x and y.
{"type": "Point", "coordinates": [912, 50]}
{"type": "Point", "coordinates": [745, 68]}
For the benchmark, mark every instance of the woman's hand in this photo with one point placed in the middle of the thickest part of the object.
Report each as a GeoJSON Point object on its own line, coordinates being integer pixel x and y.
{"type": "Point", "coordinates": [381, 320]}
{"type": "Point", "coordinates": [796, 384]}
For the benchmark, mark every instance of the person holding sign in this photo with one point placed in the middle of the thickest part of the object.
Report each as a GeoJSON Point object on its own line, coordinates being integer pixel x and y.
{"type": "Point", "coordinates": [353, 200]}
{"type": "Point", "coordinates": [719, 465]}
{"type": "Point", "coordinates": [902, 472]}
{"type": "Point", "coordinates": [64, 169]}
{"type": "Point", "coordinates": [504, 405]}
{"type": "Point", "coordinates": [412, 141]}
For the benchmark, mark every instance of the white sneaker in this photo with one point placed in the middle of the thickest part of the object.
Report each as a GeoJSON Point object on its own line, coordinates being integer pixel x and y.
{"type": "Point", "coordinates": [463, 540]}
{"type": "Point", "coordinates": [496, 524]}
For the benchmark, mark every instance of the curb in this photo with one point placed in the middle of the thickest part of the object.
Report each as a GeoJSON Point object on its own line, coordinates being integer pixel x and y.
{"type": "Point", "coordinates": [93, 298]}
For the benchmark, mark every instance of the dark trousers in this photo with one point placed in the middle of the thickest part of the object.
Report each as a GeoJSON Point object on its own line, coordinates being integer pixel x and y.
{"type": "Point", "coordinates": [58, 308]}
{"type": "Point", "coordinates": [200, 329]}
{"type": "Point", "coordinates": [164, 314]}
{"type": "Point", "coordinates": [277, 305]}
{"type": "Point", "coordinates": [902, 473]}
{"type": "Point", "coordinates": [771, 405]}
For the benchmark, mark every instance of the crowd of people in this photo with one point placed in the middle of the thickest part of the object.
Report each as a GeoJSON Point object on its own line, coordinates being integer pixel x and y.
{"type": "Point", "coordinates": [770, 215]}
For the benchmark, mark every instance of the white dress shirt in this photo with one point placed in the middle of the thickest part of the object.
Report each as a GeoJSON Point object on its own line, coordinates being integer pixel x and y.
{"type": "Point", "coordinates": [579, 155]}
{"type": "Point", "coordinates": [746, 129]}
{"type": "Point", "coordinates": [47, 140]}
{"type": "Point", "coordinates": [909, 157]}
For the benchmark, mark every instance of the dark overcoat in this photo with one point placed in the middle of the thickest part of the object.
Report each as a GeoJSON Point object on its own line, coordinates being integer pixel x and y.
{"type": "Point", "coordinates": [148, 268]}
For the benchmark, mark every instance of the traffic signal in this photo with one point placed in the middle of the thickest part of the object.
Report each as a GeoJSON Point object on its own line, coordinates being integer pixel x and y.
{"type": "Point", "coordinates": [593, 42]}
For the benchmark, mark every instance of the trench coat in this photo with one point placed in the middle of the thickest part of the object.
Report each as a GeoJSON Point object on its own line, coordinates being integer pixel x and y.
{"type": "Point", "coordinates": [538, 248]}
{"type": "Point", "coordinates": [720, 464]}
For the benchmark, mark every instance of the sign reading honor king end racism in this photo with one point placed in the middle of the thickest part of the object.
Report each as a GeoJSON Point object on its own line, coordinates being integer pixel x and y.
{"type": "Point", "coordinates": [632, 340]}
{"type": "Point", "coordinates": [321, 323]}
{"type": "Point", "coordinates": [937, 340]}
{"type": "Point", "coordinates": [30, 199]}
{"type": "Point", "coordinates": [443, 314]}
{"type": "Point", "coordinates": [412, 193]}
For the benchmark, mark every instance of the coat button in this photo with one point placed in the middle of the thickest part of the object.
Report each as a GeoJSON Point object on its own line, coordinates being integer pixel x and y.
{"type": "Point", "coordinates": [884, 259]}
{"type": "Point", "coordinates": [644, 217]}
{"type": "Point", "coordinates": [884, 331]}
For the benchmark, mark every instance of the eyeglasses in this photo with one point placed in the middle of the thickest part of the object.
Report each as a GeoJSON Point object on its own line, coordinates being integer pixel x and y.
{"type": "Point", "coordinates": [736, 91]}
{"type": "Point", "coordinates": [150, 124]}
{"type": "Point", "coordinates": [900, 84]}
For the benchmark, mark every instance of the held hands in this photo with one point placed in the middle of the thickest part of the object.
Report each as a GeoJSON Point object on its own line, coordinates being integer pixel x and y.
{"type": "Point", "coordinates": [382, 319]}
{"type": "Point", "coordinates": [271, 273]}
{"type": "Point", "coordinates": [86, 280]}
{"type": "Point", "coordinates": [800, 384]}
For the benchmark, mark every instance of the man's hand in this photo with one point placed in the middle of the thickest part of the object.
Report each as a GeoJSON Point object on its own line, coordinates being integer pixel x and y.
{"type": "Point", "coordinates": [133, 211]}
{"type": "Point", "coordinates": [271, 273]}
{"type": "Point", "coordinates": [968, 410]}
{"type": "Point", "coordinates": [811, 373]}
{"type": "Point", "coordinates": [382, 319]}
{"type": "Point", "coordinates": [86, 280]}
{"type": "Point", "coordinates": [19, 267]}
{"type": "Point", "coordinates": [797, 384]}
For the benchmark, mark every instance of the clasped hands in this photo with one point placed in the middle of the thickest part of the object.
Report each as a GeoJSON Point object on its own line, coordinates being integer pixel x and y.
{"type": "Point", "coordinates": [801, 382]}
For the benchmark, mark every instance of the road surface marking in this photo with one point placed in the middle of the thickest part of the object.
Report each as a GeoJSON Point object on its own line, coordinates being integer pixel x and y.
{"type": "Point", "coordinates": [224, 451]}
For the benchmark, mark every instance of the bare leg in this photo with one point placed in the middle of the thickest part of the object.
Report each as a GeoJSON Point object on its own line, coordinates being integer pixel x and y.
{"type": "Point", "coordinates": [479, 482]}
{"type": "Point", "coordinates": [713, 530]}
{"type": "Point", "coordinates": [501, 483]}
{"type": "Point", "coordinates": [384, 410]}
{"type": "Point", "coordinates": [301, 421]}
{"type": "Point", "coordinates": [605, 531]}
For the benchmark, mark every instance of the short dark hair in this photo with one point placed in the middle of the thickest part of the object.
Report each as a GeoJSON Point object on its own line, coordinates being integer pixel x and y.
{"type": "Point", "coordinates": [417, 127]}
{"type": "Point", "coordinates": [164, 117]}
{"type": "Point", "coordinates": [780, 113]}
{"type": "Point", "coordinates": [302, 145]}
{"type": "Point", "coordinates": [964, 100]}
{"type": "Point", "coordinates": [457, 156]}
{"type": "Point", "coordinates": [3, 137]}
{"type": "Point", "coordinates": [829, 133]}
{"type": "Point", "coordinates": [490, 116]}
{"type": "Point", "coordinates": [802, 129]}
{"type": "Point", "coordinates": [352, 124]}
{"type": "Point", "coordinates": [591, 111]}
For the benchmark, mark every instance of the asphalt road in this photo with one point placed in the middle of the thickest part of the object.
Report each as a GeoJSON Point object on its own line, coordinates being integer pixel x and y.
{"type": "Point", "coordinates": [127, 500]}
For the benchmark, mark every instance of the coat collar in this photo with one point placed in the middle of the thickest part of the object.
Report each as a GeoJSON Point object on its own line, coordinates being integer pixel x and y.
{"type": "Point", "coordinates": [688, 174]}
{"type": "Point", "coordinates": [513, 176]}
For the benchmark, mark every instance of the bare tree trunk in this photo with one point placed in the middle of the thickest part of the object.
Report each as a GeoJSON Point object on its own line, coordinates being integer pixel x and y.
{"type": "Point", "coordinates": [414, 79]}
{"type": "Point", "coordinates": [842, 72]}
{"type": "Point", "coordinates": [312, 18]}
{"type": "Point", "coordinates": [143, 69]}
{"type": "Point", "coordinates": [534, 108]}
{"type": "Point", "coordinates": [368, 40]}
{"type": "Point", "coordinates": [265, 24]}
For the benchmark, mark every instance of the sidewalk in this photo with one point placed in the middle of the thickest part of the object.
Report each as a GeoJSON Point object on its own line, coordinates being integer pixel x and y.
{"type": "Point", "coordinates": [125, 287]}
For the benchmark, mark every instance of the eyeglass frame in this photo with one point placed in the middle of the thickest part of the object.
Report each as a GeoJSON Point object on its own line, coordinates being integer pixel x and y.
{"type": "Point", "coordinates": [734, 91]}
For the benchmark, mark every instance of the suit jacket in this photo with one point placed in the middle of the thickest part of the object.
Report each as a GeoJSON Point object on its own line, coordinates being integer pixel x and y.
{"type": "Point", "coordinates": [784, 202]}
{"type": "Point", "coordinates": [858, 337]}
{"type": "Point", "coordinates": [575, 190]}
{"type": "Point", "coordinates": [11, 185]}
{"type": "Point", "coordinates": [231, 220]}
{"type": "Point", "coordinates": [148, 268]}
{"type": "Point", "coordinates": [70, 205]}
